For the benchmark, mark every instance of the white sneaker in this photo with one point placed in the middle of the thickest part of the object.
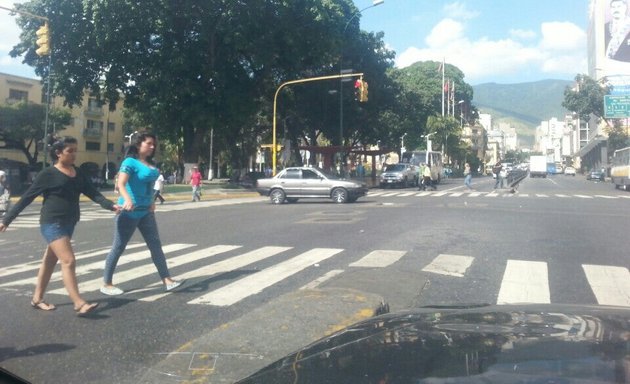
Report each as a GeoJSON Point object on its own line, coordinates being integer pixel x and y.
{"type": "Point", "coordinates": [111, 291]}
{"type": "Point", "coordinates": [174, 285]}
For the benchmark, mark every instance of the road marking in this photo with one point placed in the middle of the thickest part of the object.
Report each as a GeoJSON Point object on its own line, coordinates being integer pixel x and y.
{"type": "Point", "coordinates": [256, 283]}
{"type": "Point", "coordinates": [524, 282]}
{"type": "Point", "coordinates": [456, 194]}
{"type": "Point", "coordinates": [492, 194]}
{"type": "Point", "coordinates": [475, 194]}
{"type": "Point", "coordinates": [523, 195]}
{"type": "Point", "coordinates": [561, 195]}
{"type": "Point", "coordinates": [124, 259]}
{"type": "Point", "coordinates": [541, 195]}
{"type": "Point", "coordinates": [425, 193]}
{"type": "Point", "coordinates": [438, 194]}
{"type": "Point", "coordinates": [583, 196]}
{"type": "Point", "coordinates": [227, 265]}
{"type": "Point", "coordinates": [379, 259]}
{"type": "Point", "coordinates": [390, 194]}
{"type": "Point", "coordinates": [606, 196]}
{"type": "Point", "coordinates": [611, 285]}
{"type": "Point", "coordinates": [375, 193]}
{"type": "Point", "coordinates": [327, 276]}
{"type": "Point", "coordinates": [450, 265]}
{"type": "Point", "coordinates": [406, 194]}
{"type": "Point", "coordinates": [34, 265]}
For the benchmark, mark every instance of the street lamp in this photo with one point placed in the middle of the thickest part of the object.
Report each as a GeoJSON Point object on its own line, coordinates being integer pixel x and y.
{"type": "Point", "coordinates": [374, 4]}
{"type": "Point", "coordinates": [427, 136]}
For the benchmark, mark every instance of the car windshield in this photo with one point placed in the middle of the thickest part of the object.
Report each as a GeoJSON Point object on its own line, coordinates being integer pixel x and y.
{"type": "Point", "coordinates": [191, 191]}
{"type": "Point", "coordinates": [395, 168]}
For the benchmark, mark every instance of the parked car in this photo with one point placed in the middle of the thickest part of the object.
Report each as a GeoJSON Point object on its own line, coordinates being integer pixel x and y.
{"type": "Point", "coordinates": [595, 175]}
{"type": "Point", "coordinates": [294, 183]}
{"type": "Point", "coordinates": [569, 171]}
{"type": "Point", "coordinates": [401, 174]}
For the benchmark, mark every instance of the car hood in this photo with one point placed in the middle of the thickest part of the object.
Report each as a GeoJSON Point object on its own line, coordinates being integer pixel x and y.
{"type": "Point", "coordinates": [485, 344]}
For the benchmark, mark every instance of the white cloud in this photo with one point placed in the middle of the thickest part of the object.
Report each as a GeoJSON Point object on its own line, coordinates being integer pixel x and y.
{"type": "Point", "coordinates": [459, 11]}
{"type": "Point", "coordinates": [559, 50]}
{"type": "Point", "coordinates": [522, 34]}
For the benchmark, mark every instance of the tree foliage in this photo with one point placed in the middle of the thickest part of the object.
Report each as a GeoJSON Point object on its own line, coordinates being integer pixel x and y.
{"type": "Point", "coordinates": [22, 127]}
{"type": "Point", "coordinates": [586, 98]}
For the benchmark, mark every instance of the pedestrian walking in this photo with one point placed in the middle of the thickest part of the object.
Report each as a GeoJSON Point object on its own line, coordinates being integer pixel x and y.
{"type": "Point", "coordinates": [136, 178]}
{"type": "Point", "coordinates": [467, 176]}
{"type": "Point", "coordinates": [195, 181]}
{"type": "Point", "coordinates": [427, 180]}
{"type": "Point", "coordinates": [61, 185]}
{"type": "Point", "coordinates": [158, 187]}
{"type": "Point", "coordinates": [5, 194]}
{"type": "Point", "coordinates": [498, 167]}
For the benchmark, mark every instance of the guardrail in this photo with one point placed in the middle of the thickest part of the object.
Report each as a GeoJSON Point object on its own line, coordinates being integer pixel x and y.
{"type": "Point", "coordinates": [514, 177]}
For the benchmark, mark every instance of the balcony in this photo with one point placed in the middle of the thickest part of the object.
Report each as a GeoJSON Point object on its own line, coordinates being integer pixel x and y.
{"type": "Point", "coordinates": [93, 112]}
{"type": "Point", "coordinates": [93, 133]}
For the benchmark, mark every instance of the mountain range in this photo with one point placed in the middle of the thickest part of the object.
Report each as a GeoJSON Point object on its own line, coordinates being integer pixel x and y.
{"type": "Point", "coordinates": [522, 105]}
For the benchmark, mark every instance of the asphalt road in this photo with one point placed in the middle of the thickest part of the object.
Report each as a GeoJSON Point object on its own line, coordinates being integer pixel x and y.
{"type": "Point", "coordinates": [263, 280]}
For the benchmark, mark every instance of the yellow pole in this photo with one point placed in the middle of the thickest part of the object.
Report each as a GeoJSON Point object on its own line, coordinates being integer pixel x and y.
{"type": "Point", "coordinates": [275, 102]}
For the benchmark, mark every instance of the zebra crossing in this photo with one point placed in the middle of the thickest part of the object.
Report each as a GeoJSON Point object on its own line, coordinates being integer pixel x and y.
{"type": "Point", "coordinates": [240, 272]}
{"type": "Point", "coordinates": [493, 193]}
{"type": "Point", "coordinates": [91, 211]}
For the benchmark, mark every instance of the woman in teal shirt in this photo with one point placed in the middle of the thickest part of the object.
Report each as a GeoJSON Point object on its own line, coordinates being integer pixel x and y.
{"type": "Point", "coordinates": [136, 178]}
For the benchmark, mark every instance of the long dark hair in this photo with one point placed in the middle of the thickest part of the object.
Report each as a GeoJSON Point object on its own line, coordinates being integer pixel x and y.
{"type": "Point", "coordinates": [58, 144]}
{"type": "Point", "coordinates": [139, 138]}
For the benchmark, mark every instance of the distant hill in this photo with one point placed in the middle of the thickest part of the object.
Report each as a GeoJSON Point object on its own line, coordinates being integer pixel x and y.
{"type": "Point", "coordinates": [523, 105]}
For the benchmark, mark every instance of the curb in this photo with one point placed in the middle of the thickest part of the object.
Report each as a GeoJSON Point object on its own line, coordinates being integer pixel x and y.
{"type": "Point", "coordinates": [241, 347]}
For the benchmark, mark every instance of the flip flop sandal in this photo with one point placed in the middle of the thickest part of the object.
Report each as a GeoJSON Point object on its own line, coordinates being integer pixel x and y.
{"type": "Point", "coordinates": [42, 305]}
{"type": "Point", "coordinates": [91, 307]}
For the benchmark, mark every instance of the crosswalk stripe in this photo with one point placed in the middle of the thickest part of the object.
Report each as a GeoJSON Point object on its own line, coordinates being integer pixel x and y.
{"type": "Point", "coordinates": [390, 194]}
{"type": "Point", "coordinates": [475, 194]}
{"type": "Point", "coordinates": [378, 259]}
{"type": "Point", "coordinates": [122, 277]}
{"type": "Point", "coordinates": [611, 285]}
{"type": "Point", "coordinates": [561, 195]}
{"type": "Point", "coordinates": [450, 265]}
{"type": "Point", "coordinates": [424, 193]}
{"type": "Point", "coordinates": [327, 276]}
{"type": "Point", "coordinates": [541, 195]}
{"type": "Point", "coordinates": [34, 265]}
{"type": "Point", "coordinates": [583, 196]}
{"type": "Point", "coordinates": [492, 194]}
{"type": "Point", "coordinates": [439, 194]}
{"type": "Point", "coordinates": [456, 194]}
{"type": "Point", "coordinates": [524, 282]}
{"type": "Point", "coordinates": [405, 194]}
{"type": "Point", "coordinates": [606, 196]}
{"type": "Point", "coordinates": [242, 288]}
{"type": "Point", "coordinates": [227, 265]}
{"type": "Point", "coordinates": [124, 259]}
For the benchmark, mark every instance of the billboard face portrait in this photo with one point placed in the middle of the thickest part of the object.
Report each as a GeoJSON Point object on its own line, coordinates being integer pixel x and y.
{"type": "Point", "coordinates": [617, 31]}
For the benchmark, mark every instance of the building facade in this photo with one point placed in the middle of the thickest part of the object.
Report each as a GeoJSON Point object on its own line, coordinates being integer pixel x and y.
{"type": "Point", "coordinates": [98, 130]}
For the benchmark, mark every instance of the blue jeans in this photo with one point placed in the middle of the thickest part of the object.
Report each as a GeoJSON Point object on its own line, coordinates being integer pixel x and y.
{"type": "Point", "coordinates": [55, 231]}
{"type": "Point", "coordinates": [468, 180]}
{"type": "Point", "coordinates": [196, 193]}
{"type": "Point", "coordinates": [124, 228]}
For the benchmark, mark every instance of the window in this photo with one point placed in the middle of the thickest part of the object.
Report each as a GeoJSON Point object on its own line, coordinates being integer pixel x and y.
{"type": "Point", "coordinates": [111, 127]}
{"type": "Point", "coordinates": [110, 147]}
{"type": "Point", "coordinates": [92, 146]}
{"type": "Point", "coordinates": [291, 174]}
{"type": "Point", "coordinates": [308, 174]}
{"type": "Point", "coordinates": [94, 125]}
{"type": "Point", "coordinates": [18, 95]}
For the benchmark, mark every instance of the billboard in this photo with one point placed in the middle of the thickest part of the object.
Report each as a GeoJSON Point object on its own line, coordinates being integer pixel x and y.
{"type": "Point", "coordinates": [609, 42]}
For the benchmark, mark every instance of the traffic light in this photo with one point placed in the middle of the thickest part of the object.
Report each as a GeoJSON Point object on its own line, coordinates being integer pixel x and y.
{"type": "Point", "coordinates": [364, 91]}
{"type": "Point", "coordinates": [43, 40]}
{"type": "Point", "coordinates": [361, 90]}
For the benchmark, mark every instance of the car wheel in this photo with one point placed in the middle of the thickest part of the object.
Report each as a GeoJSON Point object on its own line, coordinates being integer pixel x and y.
{"type": "Point", "coordinates": [292, 199]}
{"type": "Point", "coordinates": [339, 195]}
{"type": "Point", "coordinates": [277, 196]}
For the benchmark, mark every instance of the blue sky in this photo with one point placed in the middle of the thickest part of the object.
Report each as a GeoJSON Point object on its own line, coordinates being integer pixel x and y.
{"type": "Point", "coordinates": [489, 40]}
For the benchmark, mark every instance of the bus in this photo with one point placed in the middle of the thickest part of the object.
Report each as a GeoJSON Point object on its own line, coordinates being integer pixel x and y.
{"type": "Point", "coordinates": [433, 158]}
{"type": "Point", "coordinates": [620, 171]}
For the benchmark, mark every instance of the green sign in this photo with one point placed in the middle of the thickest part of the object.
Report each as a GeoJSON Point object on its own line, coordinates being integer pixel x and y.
{"type": "Point", "coordinates": [616, 106]}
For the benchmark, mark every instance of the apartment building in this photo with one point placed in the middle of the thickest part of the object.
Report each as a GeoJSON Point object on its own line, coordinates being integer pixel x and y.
{"type": "Point", "coordinates": [99, 131]}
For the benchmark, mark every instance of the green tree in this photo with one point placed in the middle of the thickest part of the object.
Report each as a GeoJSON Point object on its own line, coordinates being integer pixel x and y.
{"type": "Point", "coordinates": [586, 98]}
{"type": "Point", "coordinates": [22, 127]}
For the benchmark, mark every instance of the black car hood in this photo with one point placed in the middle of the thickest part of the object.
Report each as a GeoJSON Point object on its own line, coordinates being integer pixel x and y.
{"type": "Point", "coordinates": [486, 344]}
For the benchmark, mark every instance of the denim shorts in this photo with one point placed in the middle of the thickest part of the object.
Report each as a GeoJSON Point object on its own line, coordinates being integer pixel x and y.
{"type": "Point", "coordinates": [55, 231]}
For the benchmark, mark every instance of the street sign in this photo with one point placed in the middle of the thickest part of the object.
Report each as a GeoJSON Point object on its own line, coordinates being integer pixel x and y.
{"type": "Point", "coordinates": [616, 106]}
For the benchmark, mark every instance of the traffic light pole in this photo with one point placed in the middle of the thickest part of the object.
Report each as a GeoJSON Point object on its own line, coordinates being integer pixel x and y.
{"type": "Point", "coordinates": [274, 148]}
